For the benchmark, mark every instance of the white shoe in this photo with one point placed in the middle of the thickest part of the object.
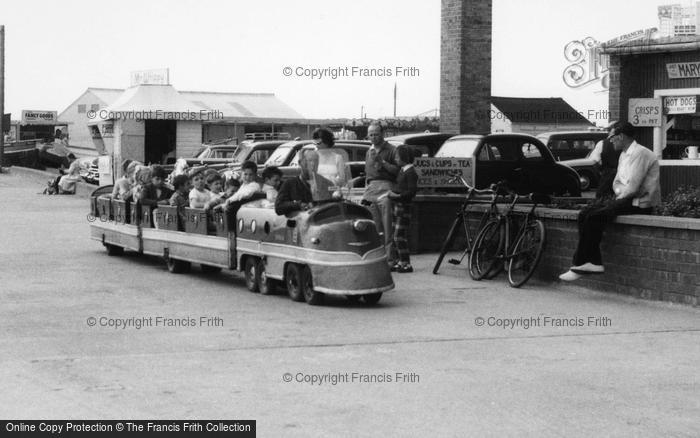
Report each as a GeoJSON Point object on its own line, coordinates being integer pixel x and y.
{"type": "Point", "coordinates": [569, 276]}
{"type": "Point", "coordinates": [588, 268]}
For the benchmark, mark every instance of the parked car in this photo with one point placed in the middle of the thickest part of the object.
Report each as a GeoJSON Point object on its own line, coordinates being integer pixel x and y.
{"type": "Point", "coordinates": [519, 158]}
{"type": "Point", "coordinates": [427, 143]}
{"type": "Point", "coordinates": [587, 169]}
{"type": "Point", "coordinates": [285, 153]}
{"type": "Point", "coordinates": [256, 151]}
{"type": "Point", "coordinates": [570, 145]}
{"type": "Point", "coordinates": [54, 155]}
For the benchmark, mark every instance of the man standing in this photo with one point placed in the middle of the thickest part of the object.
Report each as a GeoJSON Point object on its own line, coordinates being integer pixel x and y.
{"type": "Point", "coordinates": [381, 171]}
{"type": "Point", "coordinates": [637, 191]}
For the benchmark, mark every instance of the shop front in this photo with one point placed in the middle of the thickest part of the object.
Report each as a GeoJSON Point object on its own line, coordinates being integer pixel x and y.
{"type": "Point", "coordinates": [655, 85]}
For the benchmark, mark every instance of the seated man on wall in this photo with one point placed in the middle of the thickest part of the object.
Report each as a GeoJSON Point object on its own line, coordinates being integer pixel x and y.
{"type": "Point", "coordinates": [637, 191]}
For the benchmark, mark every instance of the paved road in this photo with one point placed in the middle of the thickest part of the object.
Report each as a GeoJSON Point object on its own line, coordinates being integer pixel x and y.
{"type": "Point", "coordinates": [635, 374]}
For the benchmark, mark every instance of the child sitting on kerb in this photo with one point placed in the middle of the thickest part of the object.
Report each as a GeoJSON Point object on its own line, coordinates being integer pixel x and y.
{"type": "Point", "coordinates": [199, 195]}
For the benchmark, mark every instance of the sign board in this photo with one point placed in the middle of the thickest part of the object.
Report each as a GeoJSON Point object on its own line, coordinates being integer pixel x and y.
{"type": "Point", "coordinates": [682, 70]}
{"type": "Point", "coordinates": [107, 129]}
{"type": "Point", "coordinates": [680, 104]}
{"type": "Point", "coordinates": [159, 76]}
{"type": "Point", "coordinates": [645, 112]}
{"type": "Point", "coordinates": [437, 172]}
{"type": "Point", "coordinates": [33, 117]}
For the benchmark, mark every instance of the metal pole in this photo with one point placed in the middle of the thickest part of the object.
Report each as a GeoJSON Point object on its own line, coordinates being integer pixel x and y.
{"type": "Point", "coordinates": [2, 94]}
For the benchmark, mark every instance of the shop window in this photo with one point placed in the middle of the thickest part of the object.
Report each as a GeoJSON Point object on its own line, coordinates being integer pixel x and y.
{"type": "Point", "coordinates": [81, 109]}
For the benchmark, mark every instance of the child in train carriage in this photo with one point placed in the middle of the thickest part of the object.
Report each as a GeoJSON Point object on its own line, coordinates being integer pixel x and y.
{"type": "Point", "coordinates": [272, 177]}
{"type": "Point", "coordinates": [122, 186]}
{"type": "Point", "coordinates": [142, 176]}
{"type": "Point", "coordinates": [232, 186]}
{"type": "Point", "coordinates": [406, 187]}
{"type": "Point", "coordinates": [199, 195]}
{"type": "Point", "coordinates": [156, 192]}
{"type": "Point", "coordinates": [179, 198]}
{"type": "Point", "coordinates": [249, 186]}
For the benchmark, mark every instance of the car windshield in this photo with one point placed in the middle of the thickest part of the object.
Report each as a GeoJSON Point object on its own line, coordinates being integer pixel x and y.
{"type": "Point", "coordinates": [459, 147]}
{"type": "Point", "coordinates": [279, 156]}
{"type": "Point", "coordinates": [241, 153]}
{"type": "Point", "coordinates": [204, 153]}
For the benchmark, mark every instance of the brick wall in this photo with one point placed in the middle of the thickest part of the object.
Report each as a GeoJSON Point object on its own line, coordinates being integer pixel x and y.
{"type": "Point", "coordinates": [649, 257]}
{"type": "Point", "coordinates": [465, 66]}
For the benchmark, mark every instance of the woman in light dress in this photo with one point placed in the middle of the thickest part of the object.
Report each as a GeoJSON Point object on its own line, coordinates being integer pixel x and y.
{"type": "Point", "coordinates": [331, 161]}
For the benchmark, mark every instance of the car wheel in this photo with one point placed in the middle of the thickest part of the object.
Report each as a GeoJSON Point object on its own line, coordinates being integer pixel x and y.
{"type": "Point", "coordinates": [251, 274]}
{"type": "Point", "coordinates": [586, 179]}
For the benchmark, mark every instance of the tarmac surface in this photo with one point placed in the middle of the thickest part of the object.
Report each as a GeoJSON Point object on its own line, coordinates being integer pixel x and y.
{"type": "Point", "coordinates": [432, 359]}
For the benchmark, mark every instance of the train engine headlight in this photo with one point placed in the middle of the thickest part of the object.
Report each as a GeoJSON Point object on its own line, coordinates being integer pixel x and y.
{"type": "Point", "coordinates": [360, 224]}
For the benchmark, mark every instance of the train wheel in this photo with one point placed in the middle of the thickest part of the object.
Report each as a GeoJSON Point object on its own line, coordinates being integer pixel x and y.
{"type": "Point", "coordinates": [208, 269]}
{"type": "Point", "coordinates": [294, 282]}
{"type": "Point", "coordinates": [114, 250]}
{"type": "Point", "coordinates": [178, 266]}
{"type": "Point", "coordinates": [372, 299]}
{"type": "Point", "coordinates": [307, 286]}
{"type": "Point", "coordinates": [251, 274]}
{"type": "Point", "coordinates": [353, 298]}
{"type": "Point", "coordinates": [266, 285]}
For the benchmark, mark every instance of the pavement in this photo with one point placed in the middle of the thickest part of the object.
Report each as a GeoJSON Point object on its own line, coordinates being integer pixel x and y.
{"type": "Point", "coordinates": [440, 356]}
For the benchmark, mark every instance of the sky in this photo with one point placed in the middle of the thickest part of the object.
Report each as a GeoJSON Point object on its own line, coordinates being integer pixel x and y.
{"type": "Point", "coordinates": [56, 50]}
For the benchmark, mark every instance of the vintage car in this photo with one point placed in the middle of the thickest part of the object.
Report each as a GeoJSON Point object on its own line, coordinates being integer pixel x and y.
{"type": "Point", "coordinates": [425, 143]}
{"type": "Point", "coordinates": [228, 154]}
{"type": "Point", "coordinates": [54, 155]}
{"type": "Point", "coordinates": [587, 169]}
{"type": "Point", "coordinates": [569, 145]}
{"type": "Point", "coordinates": [518, 158]}
{"type": "Point", "coordinates": [285, 153]}
{"type": "Point", "coordinates": [331, 249]}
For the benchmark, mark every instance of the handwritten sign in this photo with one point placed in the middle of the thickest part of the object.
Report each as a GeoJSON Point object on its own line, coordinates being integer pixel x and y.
{"type": "Point", "coordinates": [645, 112]}
{"type": "Point", "coordinates": [680, 104]}
{"type": "Point", "coordinates": [437, 172]}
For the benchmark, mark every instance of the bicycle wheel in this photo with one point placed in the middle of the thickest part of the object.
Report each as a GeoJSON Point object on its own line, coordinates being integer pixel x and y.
{"type": "Point", "coordinates": [487, 247]}
{"type": "Point", "coordinates": [447, 243]}
{"type": "Point", "coordinates": [526, 253]}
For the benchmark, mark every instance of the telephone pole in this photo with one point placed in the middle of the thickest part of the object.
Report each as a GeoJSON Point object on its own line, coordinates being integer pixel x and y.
{"type": "Point", "coordinates": [2, 94]}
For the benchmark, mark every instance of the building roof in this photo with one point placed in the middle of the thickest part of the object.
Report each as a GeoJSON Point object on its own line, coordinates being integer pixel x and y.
{"type": "Point", "coordinates": [538, 110]}
{"type": "Point", "coordinates": [244, 106]}
{"type": "Point", "coordinates": [681, 43]}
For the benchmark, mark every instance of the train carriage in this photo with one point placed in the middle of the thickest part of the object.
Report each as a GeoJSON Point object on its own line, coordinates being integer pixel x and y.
{"type": "Point", "coordinates": [333, 248]}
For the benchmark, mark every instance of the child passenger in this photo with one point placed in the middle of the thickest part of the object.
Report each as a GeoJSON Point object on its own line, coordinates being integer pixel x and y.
{"type": "Point", "coordinates": [248, 185]}
{"type": "Point", "coordinates": [156, 192]}
{"type": "Point", "coordinates": [199, 195]}
{"type": "Point", "coordinates": [406, 187]}
{"type": "Point", "coordinates": [179, 198]}
{"type": "Point", "coordinates": [215, 183]}
{"type": "Point", "coordinates": [272, 176]}
{"type": "Point", "coordinates": [232, 186]}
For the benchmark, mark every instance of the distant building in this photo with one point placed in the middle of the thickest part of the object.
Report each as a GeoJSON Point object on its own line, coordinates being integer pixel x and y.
{"type": "Point", "coordinates": [678, 19]}
{"type": "Point", "coordinates": [534, 115]}
{"type": "Point", "coordinates": [215, 116]}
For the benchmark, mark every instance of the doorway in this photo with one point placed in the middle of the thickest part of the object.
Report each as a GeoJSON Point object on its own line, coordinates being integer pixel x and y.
{"type": "Point", "coordinates": [160, 137]}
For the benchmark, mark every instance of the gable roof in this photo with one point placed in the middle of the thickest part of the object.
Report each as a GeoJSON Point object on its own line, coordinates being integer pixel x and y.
{"type": "Point", "coordinates": [539, 110]}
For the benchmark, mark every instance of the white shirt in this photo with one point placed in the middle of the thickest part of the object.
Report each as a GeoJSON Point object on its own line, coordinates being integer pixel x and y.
{"type": "Point", "coordinates": [245, 191]}
{"type": "Point", "coordinates": [597, 154]}
{"type": "Point", "coordinates": [198, 198]}
{"type": "Point", "coordinates": [638, 177]}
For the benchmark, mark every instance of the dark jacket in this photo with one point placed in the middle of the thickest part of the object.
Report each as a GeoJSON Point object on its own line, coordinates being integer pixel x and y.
{"type": "Point", "coordinates": [292, 193]}
{"type": "Point", "coordinates": [407, 184]}
{"type": "Point", "coordinates": [149, 194]}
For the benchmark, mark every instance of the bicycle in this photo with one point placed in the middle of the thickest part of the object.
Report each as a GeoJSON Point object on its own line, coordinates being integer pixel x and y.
{"type": "Point", "coordinates": [493, 248]}
{"type": "Point", "coordinates": [462, 221]}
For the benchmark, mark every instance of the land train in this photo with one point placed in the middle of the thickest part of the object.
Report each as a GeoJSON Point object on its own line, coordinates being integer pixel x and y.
{"type": "Point", "coordinates": [330, 249]}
